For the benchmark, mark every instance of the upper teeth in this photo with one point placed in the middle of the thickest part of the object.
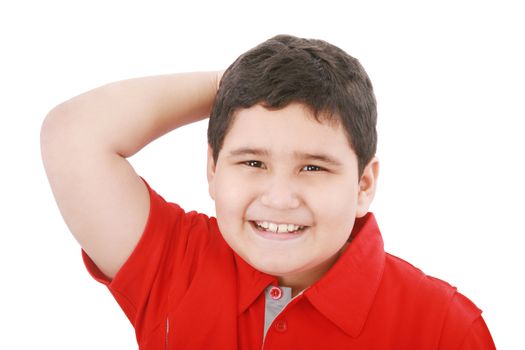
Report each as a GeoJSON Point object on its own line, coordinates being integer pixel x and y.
{"type": "Point", "coordinates": [278, 228]}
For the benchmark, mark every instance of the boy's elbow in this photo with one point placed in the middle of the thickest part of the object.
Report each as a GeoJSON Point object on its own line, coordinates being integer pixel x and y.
{"type": "Point", "coordinates": [56, 132]}
{"type": "Point", "coordinates": [56, 127]}
{"type": "Point", "coordinates": [50, 127]}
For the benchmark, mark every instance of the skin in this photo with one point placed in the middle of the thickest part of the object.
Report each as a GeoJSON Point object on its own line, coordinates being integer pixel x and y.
{"type": "Point", "coordinates": [283, 166]}
{"type": "Point", "coordinates": [85, 143]}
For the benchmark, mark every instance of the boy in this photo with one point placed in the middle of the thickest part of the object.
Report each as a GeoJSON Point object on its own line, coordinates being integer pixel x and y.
{"type": "Point", "coordinates": [293, 259]}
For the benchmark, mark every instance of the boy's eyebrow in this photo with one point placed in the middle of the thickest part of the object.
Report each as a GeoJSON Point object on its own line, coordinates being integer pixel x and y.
{"type": "Point", "coordinates": [304, 156]}
{"type": "Point", "coordinates": [325, 158]}
{"type": "Point", "coordinates": [243, 151]}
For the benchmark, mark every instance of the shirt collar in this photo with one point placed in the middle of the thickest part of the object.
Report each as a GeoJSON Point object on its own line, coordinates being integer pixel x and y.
{"type": "Point", "coordinates": [346, 292]}
{"type": "Point", "coordinates": [251, 283]}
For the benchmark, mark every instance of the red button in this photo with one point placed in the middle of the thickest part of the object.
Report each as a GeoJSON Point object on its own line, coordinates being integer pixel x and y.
{"type": "Point", "coordinates": [276, 293]}
{"type": "Point", "coordinates": [281, 326]}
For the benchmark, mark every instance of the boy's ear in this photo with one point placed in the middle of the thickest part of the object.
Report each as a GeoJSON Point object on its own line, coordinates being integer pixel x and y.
{"type": "Point", "coordinates": [367, 187]}
{"type": "Point", "coordinates": [210, 173]}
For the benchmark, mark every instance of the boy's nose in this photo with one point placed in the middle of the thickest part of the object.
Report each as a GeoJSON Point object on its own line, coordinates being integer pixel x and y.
{"type": "Point", "coordinates": [280, 194]}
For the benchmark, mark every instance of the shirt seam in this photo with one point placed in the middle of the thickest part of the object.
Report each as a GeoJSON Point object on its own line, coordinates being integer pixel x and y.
{"type": "Point", "coordinates": [468, 332]}
{"type": "Point", "coordinates": [128, 300]}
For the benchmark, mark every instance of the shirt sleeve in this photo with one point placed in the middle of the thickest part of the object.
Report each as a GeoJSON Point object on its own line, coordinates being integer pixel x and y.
{"type": "Point", "coordinates": [142, 284]}
{"type": "Point", "coordinates": [464, 327]}
{"type": "Point", "coordinates": [478, 337]}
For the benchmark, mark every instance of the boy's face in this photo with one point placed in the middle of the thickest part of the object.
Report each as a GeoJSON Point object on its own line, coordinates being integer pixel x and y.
{"type": "Point", "coordinates": [287, 192]}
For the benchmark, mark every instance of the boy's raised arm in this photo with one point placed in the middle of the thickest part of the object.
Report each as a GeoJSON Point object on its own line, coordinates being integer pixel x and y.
{"type": "Point", "coordinates": [85, 142]}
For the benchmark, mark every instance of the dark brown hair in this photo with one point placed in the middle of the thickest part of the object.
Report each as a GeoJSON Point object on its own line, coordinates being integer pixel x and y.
{"type": "Point", "coordinates": [286, 69]}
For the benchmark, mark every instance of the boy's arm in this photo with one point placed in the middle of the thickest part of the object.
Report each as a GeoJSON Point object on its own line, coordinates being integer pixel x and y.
{"type": "Point", "coordinates": [85, 142]}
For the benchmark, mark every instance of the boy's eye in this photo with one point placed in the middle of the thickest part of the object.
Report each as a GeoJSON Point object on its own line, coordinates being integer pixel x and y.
{"type": "Point", "coordinates": [312, 168]}
{"type": "Point", "coordinates": [254, 163]}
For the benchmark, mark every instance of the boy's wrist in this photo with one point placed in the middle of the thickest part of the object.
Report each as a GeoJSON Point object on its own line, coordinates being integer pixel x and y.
{"type": "Point", "coordinates": [218, 78]}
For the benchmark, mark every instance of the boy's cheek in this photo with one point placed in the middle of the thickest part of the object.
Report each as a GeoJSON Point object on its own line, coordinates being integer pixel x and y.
{"type": "Point", "coordinates": [231, 197]}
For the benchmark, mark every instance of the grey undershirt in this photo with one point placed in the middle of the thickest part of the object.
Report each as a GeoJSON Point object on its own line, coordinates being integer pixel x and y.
{"type": "Point", "coordinates": [272, 307]}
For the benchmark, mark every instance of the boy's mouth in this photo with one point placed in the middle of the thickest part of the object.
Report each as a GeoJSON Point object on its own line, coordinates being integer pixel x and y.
{"type": "Point", "coordinates": [273, 227]}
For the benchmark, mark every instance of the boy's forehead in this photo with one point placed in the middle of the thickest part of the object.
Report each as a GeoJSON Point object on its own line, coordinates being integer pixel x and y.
{"type": "Point", "coordinates": [295, 124]}
{"type": "Point", "coordinates": [300, 113]}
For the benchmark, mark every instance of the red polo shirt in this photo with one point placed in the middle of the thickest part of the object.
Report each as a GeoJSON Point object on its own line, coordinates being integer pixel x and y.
{"type": "Point", "coordinates": [184, 288]}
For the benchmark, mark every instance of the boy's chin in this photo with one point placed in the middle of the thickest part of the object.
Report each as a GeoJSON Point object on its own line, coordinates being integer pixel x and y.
{"type": "Point", "coordinates": [283, 269]}
{"type": "Point", "coordinates": [277, 267]}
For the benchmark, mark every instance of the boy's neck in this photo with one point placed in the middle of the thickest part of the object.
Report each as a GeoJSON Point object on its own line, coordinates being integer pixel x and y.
{"type": "Point", "coordinates": [300, 281]}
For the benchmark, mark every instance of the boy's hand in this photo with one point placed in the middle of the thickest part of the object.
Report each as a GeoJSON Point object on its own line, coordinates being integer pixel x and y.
{"type": "Point", "coordinates": [85, 142]}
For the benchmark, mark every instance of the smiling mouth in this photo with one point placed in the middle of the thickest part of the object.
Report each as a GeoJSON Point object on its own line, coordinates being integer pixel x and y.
{"type": "Point", "coordinates": [271, 227]}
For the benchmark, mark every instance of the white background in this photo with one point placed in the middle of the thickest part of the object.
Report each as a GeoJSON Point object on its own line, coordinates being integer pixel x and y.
{"type": "Point", "coordinates": [449, 79]}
